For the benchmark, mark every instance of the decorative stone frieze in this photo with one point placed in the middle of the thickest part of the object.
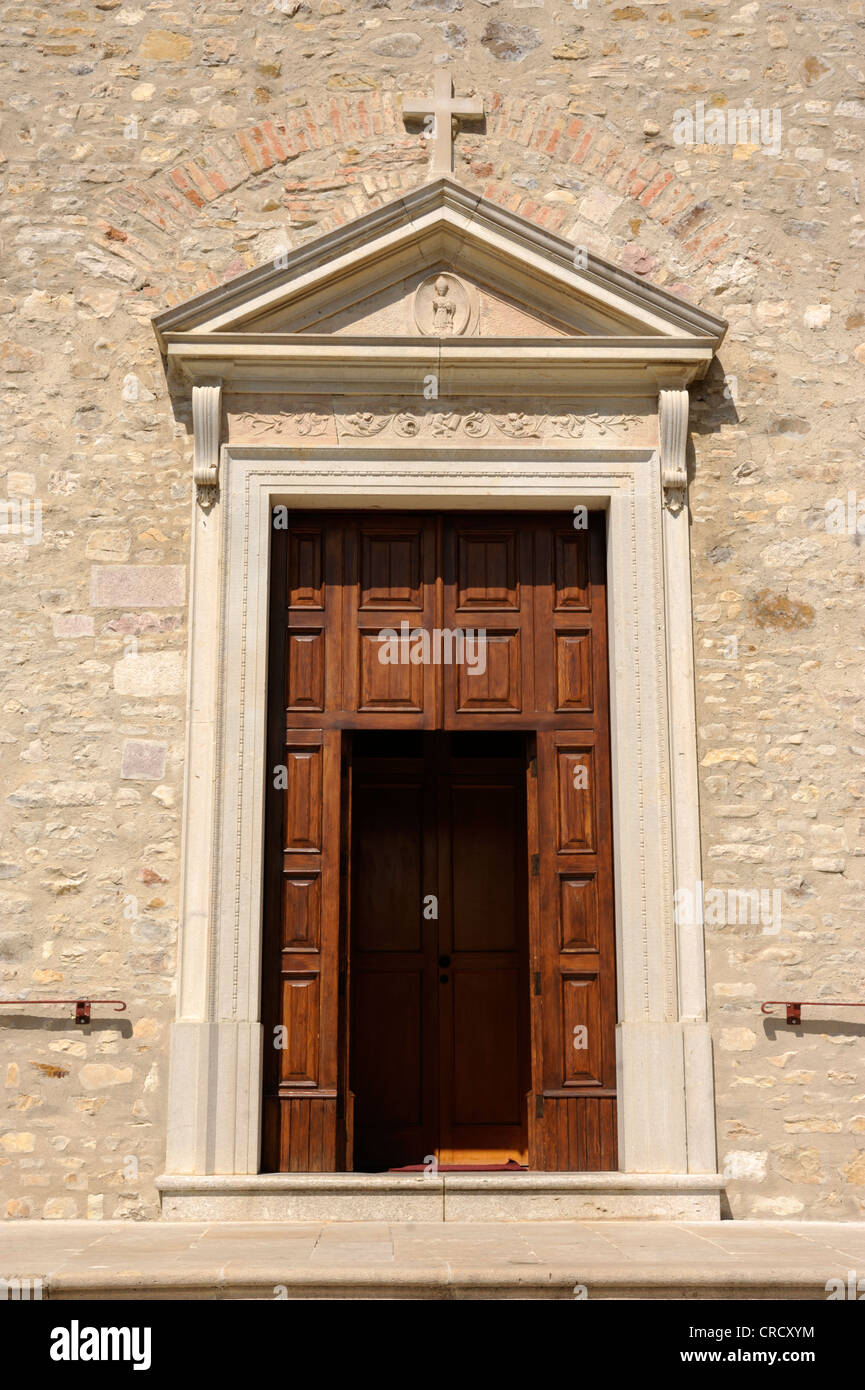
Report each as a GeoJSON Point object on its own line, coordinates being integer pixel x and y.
{"type": "Point", "coordinates": [492, 422]}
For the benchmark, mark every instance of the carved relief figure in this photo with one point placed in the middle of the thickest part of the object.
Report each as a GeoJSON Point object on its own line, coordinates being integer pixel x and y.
{"type": "Point", "coordinates": [443, 306]}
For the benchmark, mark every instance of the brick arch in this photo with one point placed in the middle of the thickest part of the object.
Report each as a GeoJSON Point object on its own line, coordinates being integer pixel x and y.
{"type": "Point", "coordinates": [144, 220]}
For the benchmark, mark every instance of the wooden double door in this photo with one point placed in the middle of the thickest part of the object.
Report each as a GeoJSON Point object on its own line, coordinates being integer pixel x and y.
{"type": "Point", "coordinates": [377, 1055]}
{"type": "Point", "coordinates": [439, 1052]}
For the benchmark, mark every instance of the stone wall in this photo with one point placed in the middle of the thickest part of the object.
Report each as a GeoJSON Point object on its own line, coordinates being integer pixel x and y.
{"type": "Point", "coordinates": [151, 151]}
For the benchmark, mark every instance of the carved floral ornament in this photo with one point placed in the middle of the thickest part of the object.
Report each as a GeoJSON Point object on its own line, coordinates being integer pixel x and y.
{"type": "Point", "coordinates": [409, 424]}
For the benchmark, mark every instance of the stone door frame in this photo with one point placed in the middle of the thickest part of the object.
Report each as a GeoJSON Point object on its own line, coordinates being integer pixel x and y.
{"type": "Point", "coordinates": [666, 1096]}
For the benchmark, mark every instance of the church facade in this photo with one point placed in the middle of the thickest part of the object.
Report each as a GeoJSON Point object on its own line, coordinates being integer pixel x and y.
{"type": "Point", "coordinates": [432, 779]}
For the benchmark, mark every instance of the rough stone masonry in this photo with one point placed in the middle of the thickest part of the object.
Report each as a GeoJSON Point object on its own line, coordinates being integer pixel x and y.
{"type": "Point", "coordinates": [152, 150]}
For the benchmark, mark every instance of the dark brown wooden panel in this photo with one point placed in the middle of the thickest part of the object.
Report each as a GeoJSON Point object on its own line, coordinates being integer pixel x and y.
{"type": "Point", "coordinates": [489, 1078]}
{"type": "Point", "coordinates": [571, 570]}
{"type": "Point", "coordinates": [305, 567]}
{"type": "Point", "coordinates": [576, 780]}
{"type": "Point", "coordinates": [304, 671]}
{"type": "Point", "coordinates": [387, 848]}
{"type": "Point", "coordinates": [484, 822]}
{"type": "Point", "coordinates": [386, 683]}
{"type": "Point", "coordinates": [300, 1133]}
{"type": "Point", "coordinates": [487, 574]}
{"type": "Point", "coordinates": [579, 912]}
{"type": "Point", "coordinates": [390, 577]}
{"type": "Point", "coordinates": [391, 565]}
{"type": "Point", "coordinates": [569, 623]}
{"type": "Point", "coordinates": [492, 683]}
{"type": "Point", "coordinates": [303, 798]}
{"type": "Point", "coordinates": [573, 671]}
{"type": "Point", "coordinates": [301, 912]}
{"type": "Point", "coordinates": [582, 1029]}
{"type": "Point", "coordinates": [298, 1054]}
{"type": "Point", "coordinates": [576, 1134]}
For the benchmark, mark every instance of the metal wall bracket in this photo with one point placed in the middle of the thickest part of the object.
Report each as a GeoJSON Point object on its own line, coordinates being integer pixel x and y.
{"type": "Point", "coordinates": [82, 1006]}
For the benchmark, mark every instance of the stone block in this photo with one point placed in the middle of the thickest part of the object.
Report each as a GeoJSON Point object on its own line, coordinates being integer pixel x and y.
{"type": "Point", "coordinates": [143, 760]}
{"type": "Point", "coordinates": [138, 586]}
{"type": "Point", "coordinates": [96, 1075]}
{"type": "Point", "coordinates": [150, 673]}
{"type": "Point", "coordinates": [42, 794]}
{"type": "Point", "coordinates": [72, 625]}
{"type": "Point", "coordinates": [165, 46]}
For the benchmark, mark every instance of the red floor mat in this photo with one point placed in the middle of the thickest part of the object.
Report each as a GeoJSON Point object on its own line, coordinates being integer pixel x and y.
{"type": "Point", "coordinates": [509, 1167]}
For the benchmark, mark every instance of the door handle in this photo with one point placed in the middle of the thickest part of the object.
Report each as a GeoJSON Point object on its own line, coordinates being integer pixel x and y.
{"type": "Point", "coordinates": [444, 962]}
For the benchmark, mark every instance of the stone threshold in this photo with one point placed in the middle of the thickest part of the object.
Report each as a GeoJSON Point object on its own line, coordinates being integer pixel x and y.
{"type": "Point", "coordinates": [443, 1197]}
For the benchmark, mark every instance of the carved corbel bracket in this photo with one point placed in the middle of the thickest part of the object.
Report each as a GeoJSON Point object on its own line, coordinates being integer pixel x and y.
{"type": "Point", "coordinates": [673, 427]}
{"type": "Point", "coordinates": [206, 419]}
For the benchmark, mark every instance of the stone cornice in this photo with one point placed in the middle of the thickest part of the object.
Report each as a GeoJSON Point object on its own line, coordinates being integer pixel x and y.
{"type": "Point", "coordinates": [525, 366]}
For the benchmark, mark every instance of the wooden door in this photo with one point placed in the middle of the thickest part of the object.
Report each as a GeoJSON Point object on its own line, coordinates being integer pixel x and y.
{"type": "Point", "coordinates": [439, 1052]}
{"type": "Point", "coordinates": [534, 585]}
{"type": "Point", "coordinates": [573, 1125]}
{"type": "Point", "coordinates": [483, 959]}
{"type": "Point", "coordinates": [394, 968]}
{"type": "Point", "coordinates": [304, 1129]}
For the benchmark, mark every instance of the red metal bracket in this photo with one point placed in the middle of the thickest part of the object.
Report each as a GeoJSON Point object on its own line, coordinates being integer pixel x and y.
{"type": "Point", "coordinates": [82, 1006]}
{"type": "Point", "coordinates": [794, 1011]}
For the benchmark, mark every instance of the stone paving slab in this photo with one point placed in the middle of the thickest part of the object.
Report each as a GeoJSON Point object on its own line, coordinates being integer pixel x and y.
{"type": "Point", "coordinates": [182, 1260]}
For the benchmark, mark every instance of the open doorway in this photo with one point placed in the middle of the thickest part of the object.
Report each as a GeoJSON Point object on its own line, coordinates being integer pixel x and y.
{"type": "Point", "coordinates": [439, 1051]}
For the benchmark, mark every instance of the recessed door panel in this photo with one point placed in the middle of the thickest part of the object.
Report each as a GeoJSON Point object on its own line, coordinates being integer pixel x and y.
{"type": "Point", "coordinates": [305, 671]}
{"type": "Point", "coordinates": [388, 1050]}
{"type": "Point", "coordinates": [571, 572]}
{"type": "Point", "coordinates": [484, 830]}
{"type": "Point", "coordinates": [298, 1056]}
{"type": "Point", "coordinates": [303, 788]}
{"type": "Point", "coordinates": [575, 785]}
{"type": "Point", "coordinates": [391, 566]}
{"type": "Point", "coordinates": [489, 1090]}
{"type": "Point", "coordinates": [388, 825]}
{"type": "Point", "coordinates": [387, 683]}
{"type": "Point", "coordinates": [305, 567]}
{"type": "Point", "coordinates": [487, 573]}
{"type": "Point", "coordinates": [301, 912]}
{"type": "Point", "coordinates": [492, 683]}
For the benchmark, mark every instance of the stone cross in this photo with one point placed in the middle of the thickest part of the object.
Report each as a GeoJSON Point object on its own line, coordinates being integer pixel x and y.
{"type": "Point", "coordinates": [442, 111]}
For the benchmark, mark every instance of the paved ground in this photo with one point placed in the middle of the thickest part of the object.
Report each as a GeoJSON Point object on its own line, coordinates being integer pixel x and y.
{"type": "Point", "coordinates": [414, 1260]}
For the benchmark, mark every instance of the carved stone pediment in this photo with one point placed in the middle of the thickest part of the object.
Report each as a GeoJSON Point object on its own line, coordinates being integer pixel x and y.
{"type": "Point", "coordinates": [442, 263]}
{"type": "Point", "coordinates": [439, 320]}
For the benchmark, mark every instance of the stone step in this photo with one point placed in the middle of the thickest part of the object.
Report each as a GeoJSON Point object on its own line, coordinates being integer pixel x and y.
{"type": "Point", "coordinates": [82, 1261]}
{"type": "Point", "coordinates": [442, 1197]}
{"type": "Point", "coordinates": [577, 1282]}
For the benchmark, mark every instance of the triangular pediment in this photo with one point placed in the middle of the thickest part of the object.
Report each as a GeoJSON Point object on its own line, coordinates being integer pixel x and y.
{"type": "Point", "coordinates": [410, 305]}
{"type": "Point", "coordinates": [441, 262]}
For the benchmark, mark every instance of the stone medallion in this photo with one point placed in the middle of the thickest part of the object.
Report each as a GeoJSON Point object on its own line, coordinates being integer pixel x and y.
{"type": "Point", "coordinates": [443, 306]}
